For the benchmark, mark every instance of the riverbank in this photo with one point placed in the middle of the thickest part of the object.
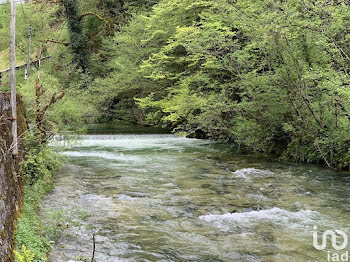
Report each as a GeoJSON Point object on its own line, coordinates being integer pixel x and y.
{"type": "Point", "coordinates": [33, 238]}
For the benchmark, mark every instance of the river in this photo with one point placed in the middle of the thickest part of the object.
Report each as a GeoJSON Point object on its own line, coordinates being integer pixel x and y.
{"type": "Point", "coordinates": [163, 198]}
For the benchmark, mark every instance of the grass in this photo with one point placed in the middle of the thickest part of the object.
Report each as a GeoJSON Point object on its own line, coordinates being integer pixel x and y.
{"type": "Point", "coordinates": [5, 59]}
{"type": "Point", "coordinates": [30, 232]}
{"type": "Point", "coordinates": [33, 238]}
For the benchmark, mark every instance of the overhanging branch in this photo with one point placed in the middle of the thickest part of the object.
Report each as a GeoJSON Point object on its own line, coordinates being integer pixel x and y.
{"type": "Point", "coordinates": [94, 14]}
{"type": "Point", "coordinates": [55, 42]}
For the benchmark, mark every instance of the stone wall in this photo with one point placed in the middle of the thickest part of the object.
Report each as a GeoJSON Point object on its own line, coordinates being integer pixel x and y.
{"type": "Point", "coordinates": [11, 195]}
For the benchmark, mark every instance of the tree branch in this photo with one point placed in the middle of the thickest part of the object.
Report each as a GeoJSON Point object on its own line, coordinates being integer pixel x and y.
{"type": "Point", "coordinates": [55, 41]}
{"type": "Point", "coordinates": [40, 112]}
{"type": "Point", "coordinates": [94, 14]}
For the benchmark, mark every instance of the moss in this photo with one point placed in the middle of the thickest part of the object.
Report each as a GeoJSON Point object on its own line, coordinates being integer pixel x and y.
{"type": "Point", "coordinates": [11, 186]}
{"type": "Point", "coordinates": [3, 234]}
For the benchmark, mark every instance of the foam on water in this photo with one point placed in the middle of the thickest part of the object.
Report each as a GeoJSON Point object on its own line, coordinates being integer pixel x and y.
{"type": "Point", "coordinates": [129, 137]}
{"type": "Point", "coordinates": [276, 216]}
{"type": "Point", "coordinates": [100, 154]}
{"type": "Point", "coordinates": [248, 172]}
{"type": "Point", "coordinates": [104, 155]}
{"type": "Point", "coordinates": [136, 142]}
{"type": "Point", "coordinates": [123, 197]}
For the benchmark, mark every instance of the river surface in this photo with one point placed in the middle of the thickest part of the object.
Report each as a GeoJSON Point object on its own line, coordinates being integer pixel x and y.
{"type": "Point", "coordinates": [164, 198]}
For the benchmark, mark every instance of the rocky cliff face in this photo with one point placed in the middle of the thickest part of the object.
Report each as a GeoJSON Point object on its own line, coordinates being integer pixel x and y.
{"type": "Point", "coordinates": [10, 179]}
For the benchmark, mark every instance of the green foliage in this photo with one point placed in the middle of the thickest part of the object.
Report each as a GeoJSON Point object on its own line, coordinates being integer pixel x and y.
{"type": "Point", "coordinates": [38, 167]}
{"type": "Point", "coordinates": [122, 55]}
{"type": "Point", "coordinates": [4, 21]}
{"type": "Point", "coordinates": [25, 255]}
{"type": "Point", "coordinates": [45, 25]}
{"type": "Point", "coordinates": [272, 76]}
{"type": "Point", "coordinates": [69, 113]}
{"type": "Point", "coordinates": [40, 161]}
{"type": "Point", "coordinates": [77, 39]}
{"type": "Point", "coordinates": [120, 77]}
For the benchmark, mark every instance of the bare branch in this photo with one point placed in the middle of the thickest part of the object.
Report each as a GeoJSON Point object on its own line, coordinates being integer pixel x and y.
{"type": "Point", "coordinates": [94, 14]}
{"type": "Point", "coordinates": [55, 42]}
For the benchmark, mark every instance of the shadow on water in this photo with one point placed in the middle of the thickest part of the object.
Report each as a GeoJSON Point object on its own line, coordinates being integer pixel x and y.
{"type": "Point", "coordinates": [120, 127]}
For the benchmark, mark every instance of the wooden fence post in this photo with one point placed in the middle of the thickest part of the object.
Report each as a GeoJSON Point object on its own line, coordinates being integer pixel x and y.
{"type": "Point", "coordinates": [27, 73]}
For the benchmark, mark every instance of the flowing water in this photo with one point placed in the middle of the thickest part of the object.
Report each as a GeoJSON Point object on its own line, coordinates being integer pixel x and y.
{"type": "Point", "coordinates": [163, 198]}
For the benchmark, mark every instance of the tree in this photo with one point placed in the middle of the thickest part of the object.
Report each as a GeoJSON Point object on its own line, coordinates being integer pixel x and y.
{"type": "Point", "coordinates": [78, 42]}
{"type": "Point", "coordinates": [271, 75]}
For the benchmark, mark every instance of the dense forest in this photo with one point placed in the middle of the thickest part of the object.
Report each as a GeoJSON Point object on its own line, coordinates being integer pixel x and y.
{"type": "Point", "coordinates": [268, 75]}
